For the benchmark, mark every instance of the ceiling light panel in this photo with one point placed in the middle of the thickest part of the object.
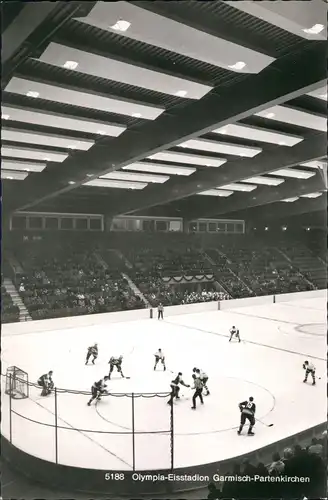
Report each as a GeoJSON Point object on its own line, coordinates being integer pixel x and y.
{"type": "Point", "coordinates": [302, 18]}
{"type": "Point", "coordinates": [92, 64]}
{"type": "Point", "coordinates": [82, 99]}
{"type": "Point", "coordinates": [188, 158]}
{"type": "Point", "coordinates": [13, 175]}
{"type": "Point", "coordinates": [319, 93]}
{"type": "Point", "coordinates": [159, 31]}
{"type": "Point", "coordinates": [216, 192]}
{"type": "Point", "coordinates": [129, 176]}
{"type": "Point", "coordinates": [239, 187]}
{"type": "Point", "coordinates": [290, 200]}
{"type": "Point", "coordinates": [116, 184]}
{"type": "Point", "coordinates": [266, 181]}
{"type": "Point", "coordinates": [157, 168]}
{"type": "Point", "coordinates": [221, 147]}
{"type": "Point", "coordinates": [62, 121]}
{"type": "Point", "coordinates": [22, 165]}
{"type": "Point", "coordinates": [314, 164]}
{"type": "Point", "coordinates": [55, 141]}
{"type": "Point", "coordinates": [294, 117]}
{"type": "Point", "coordinates": [294, 173]}
{"type": "Point", "coordinates": [258, 134]}
{"type": "Point", "coordinates": [311, 195]}
{"type": "Point", "coordinates": [32, 154]}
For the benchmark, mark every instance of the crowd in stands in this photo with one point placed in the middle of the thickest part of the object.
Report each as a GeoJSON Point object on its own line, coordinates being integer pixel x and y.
{"type": "Point", "coordinates": [309, 461]}
{"type": "Point", "coordinates": [71, 278]}
{"type": "Point", "coordinates": [9, 312]}
{"type": "Point", "coordinates": [71, 281]}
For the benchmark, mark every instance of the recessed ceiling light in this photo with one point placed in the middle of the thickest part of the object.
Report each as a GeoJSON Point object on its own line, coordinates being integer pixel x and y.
{"type": "Point", "coordinates": [71, 182]}
{"type": "Point", "coordinates": [308, 228]}
{"type": "Point", "coordinates": [266, 228]}
{"type": "Point", "coordinates": [270, 115]}
{"type": "Point", "coordinates": [181, 93]}
{"type": "Point", "coordinates": [121, 25]}
{"type": "Point", "coordinates": [31, 93]}
{"type": "Point", "coordinates": [238, 65]}
{"type": "Point", "coordinates": [89, 175]}
{"type": "Point", "coordinates": [284, 228]}
{"type": "Point", "coordinates": [315, 30]}
{"type": "Point", "coordinates": [71, 64]}
{"type": "Point", "coordinates": [5, 117]}
{"type": "Point", "coordinates": [137, 115]}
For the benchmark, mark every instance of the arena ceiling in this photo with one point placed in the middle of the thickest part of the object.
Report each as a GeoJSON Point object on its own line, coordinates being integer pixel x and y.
{"type": "Point", "coordinates": [184, 108]}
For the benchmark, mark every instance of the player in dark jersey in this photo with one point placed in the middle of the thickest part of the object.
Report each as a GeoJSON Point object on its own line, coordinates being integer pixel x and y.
{"type": "Point", "coordinates": [248, 409]}
{"type": "Point", "coordinates": [198, 386]}
{"type": "Point", "coordinates": [46, 382]}
{"type": "Point", "coordinates": [159, 356]}
{"type": "Point", "coordinates": [98, 389]}
{"type": "Point", "coordinates": [234, 332]}
{"type": "Point", "coordinates": [115, 362]}
{"type": "Point", "coordinates": [175, 389]}
{"type": "Point", "coordinates": [92, 351]}
{"type": "Point", "coordinates": [309, 370]}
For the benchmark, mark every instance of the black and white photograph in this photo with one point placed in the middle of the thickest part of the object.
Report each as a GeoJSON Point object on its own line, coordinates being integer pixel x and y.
{"type": "Point", "coordinates": [164, 250]}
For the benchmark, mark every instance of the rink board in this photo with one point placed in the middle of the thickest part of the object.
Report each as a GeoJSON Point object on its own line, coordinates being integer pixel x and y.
{"type": "Point", "coordinates": [278, 334]}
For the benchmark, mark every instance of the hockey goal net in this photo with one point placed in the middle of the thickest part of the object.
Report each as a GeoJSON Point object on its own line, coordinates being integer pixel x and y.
{"type": "Point", "coordinates": [16, 383]}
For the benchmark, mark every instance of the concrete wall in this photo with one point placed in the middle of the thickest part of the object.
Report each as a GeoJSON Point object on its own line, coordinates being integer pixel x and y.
{"type": "Point", "coordinates": [144, 314]}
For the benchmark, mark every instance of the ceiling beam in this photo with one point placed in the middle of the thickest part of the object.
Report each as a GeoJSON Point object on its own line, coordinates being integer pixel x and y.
{"type": "Point", "coordinates": [274, 85]}
{"type": "Point", "coordinates": [279, 211]}
{"type": "Point", "coordinates": [263, 195]}
{"type": "Point", "coordinates": [28, 20]}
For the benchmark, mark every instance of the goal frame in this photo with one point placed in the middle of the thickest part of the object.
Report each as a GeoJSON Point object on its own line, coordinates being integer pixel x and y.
{"type": "Point", "coordinates": [14, 377]}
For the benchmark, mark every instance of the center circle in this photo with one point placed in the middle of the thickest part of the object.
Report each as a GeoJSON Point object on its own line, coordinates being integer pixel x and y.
{"type": "Point", "coordinates": [151, 413]}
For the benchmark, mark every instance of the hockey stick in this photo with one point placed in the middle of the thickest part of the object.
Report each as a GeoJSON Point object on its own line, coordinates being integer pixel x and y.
{"type": "Point", "coordinates": [266, 425]}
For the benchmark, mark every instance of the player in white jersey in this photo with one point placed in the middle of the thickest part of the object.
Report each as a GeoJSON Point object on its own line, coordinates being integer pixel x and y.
{"type": "Point", "coordinates": [234, 332]}
{"type": "Point", "coordinates": [309, 369]}
{"type": "Point", "coordinates": [203, 378]}
{"type": "Point", "coordinates": [159, 356]}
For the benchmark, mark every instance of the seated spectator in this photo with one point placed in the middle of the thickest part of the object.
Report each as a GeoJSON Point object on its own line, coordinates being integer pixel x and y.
{"type": "Point", "coordinates": [277, 465]}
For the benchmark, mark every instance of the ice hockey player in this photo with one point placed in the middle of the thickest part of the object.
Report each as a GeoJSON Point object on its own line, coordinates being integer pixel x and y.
{"type": "Point", "coordinates": [115, 362]}
{"type": "Point", "coordinates": [159, 356]}
{"type": "Point", "coordinates": [98, 389]}
{"type": "Point", "coordinates": [203, 378]}
{"type": "Point", "coordinates": [160, 310]}
{"type": "Point", "coordinates": [175, 389]}
{"type": "Point", "coordinates": [46, 382]}
{"type": "Point", "coordinates": [92, 351]}
{"type": "Point", "coordinates": [309, 369]}
{"type": "Point", "coordinates": [234, 332]}
{"type": "Point", "coordinates": [198, 386]}
{"type": "Point", "coordinates": [248, 409]}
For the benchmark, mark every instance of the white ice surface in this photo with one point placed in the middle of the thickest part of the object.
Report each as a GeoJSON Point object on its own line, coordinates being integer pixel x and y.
{"type": "Point", "coordinates": [267, 365]}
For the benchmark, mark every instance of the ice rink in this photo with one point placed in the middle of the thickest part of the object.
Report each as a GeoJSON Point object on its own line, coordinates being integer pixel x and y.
{"type": "Point", "coordinates": [267, 364]}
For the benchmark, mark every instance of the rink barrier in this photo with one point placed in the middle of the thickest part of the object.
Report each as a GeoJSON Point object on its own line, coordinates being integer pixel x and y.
{"type": "Point", "coordinates": [92, 481]}
{"type": "Point", "coordinates": [87, 321]}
